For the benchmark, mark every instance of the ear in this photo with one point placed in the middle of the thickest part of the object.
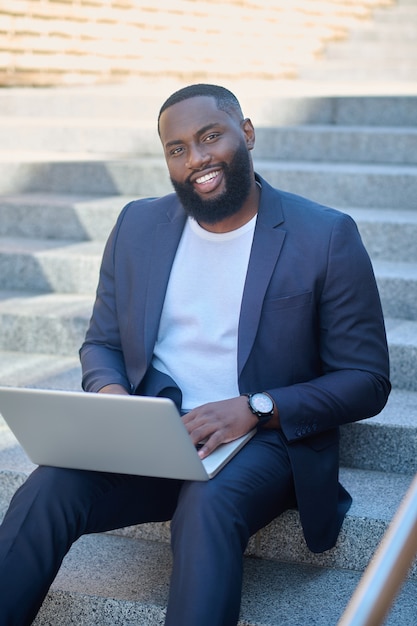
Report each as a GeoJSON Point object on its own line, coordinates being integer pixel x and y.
{"type": "Point", "coordinates": [249, 132]}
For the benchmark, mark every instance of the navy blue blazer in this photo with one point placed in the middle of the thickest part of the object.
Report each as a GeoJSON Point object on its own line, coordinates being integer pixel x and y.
{"type": "Point", "coordinates": [311, 330]}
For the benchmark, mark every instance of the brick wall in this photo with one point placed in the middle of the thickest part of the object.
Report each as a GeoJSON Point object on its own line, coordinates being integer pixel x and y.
{"type": "Point", "coordinates": [56, 42]}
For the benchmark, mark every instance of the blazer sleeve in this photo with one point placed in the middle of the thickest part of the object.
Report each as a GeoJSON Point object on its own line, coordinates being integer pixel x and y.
{"type": "Point", "coordinates": [101, 353]}
{"type": "Point", "coordinates": [354, 380]}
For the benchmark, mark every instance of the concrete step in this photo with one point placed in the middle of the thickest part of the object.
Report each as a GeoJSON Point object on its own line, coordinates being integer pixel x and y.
{"type": "Point", "coordinates": [116, 581]}
{"type": "Point", "coordinates": [60, 216]}
{"type": "Point", "coordinates": [387, 34]}
{"type": "Point", "coordinates": [335, 184]}
{"type": "Point", "coordinates": [361, 69]}
{"type": "Point", "coordinates": [382, 49]}
{"type": "Point", "coordinates": [39, 265]}
{"type": "Point", "coordinates": [402, 13]}
{"type": "Point", "coordinates": [402, 340]}
{"type": "Point", "coordinates": [345, 184]}
{"type": "Point", "coordinates": [388, 234]}
{"type": "Point", "coordinates": [49, 265]}
{"type": "Point", "coordinates": [372, 47]}
{"type": "Point", "coordinates": [334, 143]}
{"type": "Point", "coordinates": [56, 323]}
{"type": "Point", "coordinates": [44, 371]}
{"type": "Point", "coordinates": [338, 144]}
{"type": "Point", "coordinates": [44, 323]}
{"type": "Point", "coordinates": [376, 497]}
{"type": "Point", "coordinates": [382, 38]}
{"type": "Point", "coordinates": [300, 103]}
{"type": "Point", "coordinates": [72, 134]}
{"type": "Point", "coordinates": [397, 283]}
{"type": "Point", "coordinates": [386, 442]}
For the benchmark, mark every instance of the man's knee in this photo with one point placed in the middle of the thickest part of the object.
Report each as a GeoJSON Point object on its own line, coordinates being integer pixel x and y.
{"type": "Point", "coordinates": [53, 482]}
{"type": "Point", "coordinates": [206, 507]}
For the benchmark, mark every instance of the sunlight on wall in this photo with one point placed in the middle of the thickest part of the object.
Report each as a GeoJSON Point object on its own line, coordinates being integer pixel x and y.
{"type": "Point", "coordinates": [45, 42]}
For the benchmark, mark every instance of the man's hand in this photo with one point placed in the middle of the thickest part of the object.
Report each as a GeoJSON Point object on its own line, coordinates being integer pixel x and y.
{"type": "Point", "coordinates": [219, 422]}
{"type": "Point", "coordinates": [115, 389]}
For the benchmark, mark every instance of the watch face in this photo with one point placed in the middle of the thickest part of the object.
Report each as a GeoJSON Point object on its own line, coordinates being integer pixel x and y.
{"type": "Point", "coordinates": [262, 403]}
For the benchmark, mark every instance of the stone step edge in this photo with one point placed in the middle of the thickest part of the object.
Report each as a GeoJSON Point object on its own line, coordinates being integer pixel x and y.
{"type": "Point", "coordinates": [83, 201]}
{"type": "Point", "coordinates": [58, 160]}
{"type": "Point", "coordinates": [258, 98]}
{"type": "Point", "coordinates": [113, 581]}
{"type": "Point", "coordinates": [283, 539]}
{"type": "Point", "coordinates": [342, 184]}
{"type": "Point", "coordinates": [151, 144]}
{"type": "Point", "coordinates": [111, 123]}
{"type": "Point", "coordinates": [92, 249]}
{"type": "Point", "coordinates": [400, 331]}
{"type": "Point", "coordinates": [36, 215]}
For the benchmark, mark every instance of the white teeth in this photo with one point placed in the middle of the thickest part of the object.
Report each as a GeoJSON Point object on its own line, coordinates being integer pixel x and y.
{"type": "Point", "coordinates": [207, 177]}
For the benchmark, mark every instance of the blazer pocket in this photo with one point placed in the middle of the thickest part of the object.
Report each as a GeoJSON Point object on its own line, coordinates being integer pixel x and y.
{"type": "Point", "coordinates": [288, 302]}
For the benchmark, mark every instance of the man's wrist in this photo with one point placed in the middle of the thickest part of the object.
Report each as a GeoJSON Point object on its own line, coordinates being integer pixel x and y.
{"type": "Point", "coordinates": [274, 422]}
{"type": "Point", "coordinates": [263, 407]}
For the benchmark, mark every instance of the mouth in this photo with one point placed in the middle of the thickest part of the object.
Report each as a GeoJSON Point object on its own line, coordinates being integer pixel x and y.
{"type": "Point", "coordinates": [207, 177]}
{"type": "Point", "coordinates": [208, 182]}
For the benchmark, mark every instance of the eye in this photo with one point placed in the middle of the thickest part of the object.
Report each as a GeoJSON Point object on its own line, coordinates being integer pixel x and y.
{"type": "Point", "coordinates": [176, 151]}
{"type": "Point", "coordinates": [211, 137]}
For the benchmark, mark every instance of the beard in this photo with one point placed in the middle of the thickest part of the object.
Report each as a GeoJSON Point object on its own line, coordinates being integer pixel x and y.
{"type": "Point", "coordinates": [237, 188]}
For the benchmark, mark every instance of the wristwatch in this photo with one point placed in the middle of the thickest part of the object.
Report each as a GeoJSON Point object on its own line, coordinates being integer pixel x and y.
{"type": "Point", "coordinates": [261, 405]}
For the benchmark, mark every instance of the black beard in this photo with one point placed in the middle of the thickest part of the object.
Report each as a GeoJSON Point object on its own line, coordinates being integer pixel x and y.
{"type": "Point", "coordinates": [238, 183]}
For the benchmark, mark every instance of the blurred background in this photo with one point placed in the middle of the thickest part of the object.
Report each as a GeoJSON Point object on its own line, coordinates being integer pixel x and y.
{"type": "Point", "coordinates": [86, 42]}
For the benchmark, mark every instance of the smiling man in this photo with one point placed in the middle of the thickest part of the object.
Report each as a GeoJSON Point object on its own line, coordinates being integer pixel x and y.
{"type": "Point", "coordinates": [210, 166]}
{"type": "Point", "coordinates": [249, 307]}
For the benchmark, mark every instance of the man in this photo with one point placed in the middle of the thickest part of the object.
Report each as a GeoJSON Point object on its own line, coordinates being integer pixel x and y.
{"type": "Point", "coordinates": [225, 288]}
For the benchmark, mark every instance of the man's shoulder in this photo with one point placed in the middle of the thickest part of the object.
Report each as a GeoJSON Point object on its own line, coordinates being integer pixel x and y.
{"type": "Point", "coordinates": [296, 204]}
{"type": "Point", "coordinates": [145, 212]}
{"type": "Point", "coordinates": [151, 205]}
{"type": "Point", "coordinates": [139, 219]}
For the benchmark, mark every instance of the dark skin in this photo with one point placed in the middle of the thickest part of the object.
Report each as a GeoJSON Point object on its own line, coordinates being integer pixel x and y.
{"type": "Point", "coordinates": [197, 138]}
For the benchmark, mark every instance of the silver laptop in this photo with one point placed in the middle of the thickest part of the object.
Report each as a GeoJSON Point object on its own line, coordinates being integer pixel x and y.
{"type": "Point", "coordinates": [109, 433]}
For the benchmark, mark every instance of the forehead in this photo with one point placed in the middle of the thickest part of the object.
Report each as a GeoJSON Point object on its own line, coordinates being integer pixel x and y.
{"type": "Point", "coordinates": [188, 117]}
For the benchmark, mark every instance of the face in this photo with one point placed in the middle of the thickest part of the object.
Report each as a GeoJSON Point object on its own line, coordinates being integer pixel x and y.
{"type": "Point", "coordinates": [207, 153]}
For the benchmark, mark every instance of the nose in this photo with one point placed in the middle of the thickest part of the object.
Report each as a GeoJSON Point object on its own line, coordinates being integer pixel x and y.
{"type": "Point", "coordinates": [197, 157]}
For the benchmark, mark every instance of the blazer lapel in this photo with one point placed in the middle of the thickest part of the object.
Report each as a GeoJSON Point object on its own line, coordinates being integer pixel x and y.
{"type": "Point", "coordinates": [165, 244]}
{"type": "Point", "coordinates": [266, 248]}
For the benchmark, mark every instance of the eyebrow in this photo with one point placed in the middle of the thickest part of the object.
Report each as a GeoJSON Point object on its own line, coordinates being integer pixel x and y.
{"type": "Point", "coordinates": [201, 131]}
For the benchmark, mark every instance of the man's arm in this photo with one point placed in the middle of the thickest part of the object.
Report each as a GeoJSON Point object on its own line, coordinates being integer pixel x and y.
{"type": "Point", "coordinates": [223, 421]}
{"type": "Point", "coordinates": [353, 383]}
{"type": "Point", "coordinates": [101, 354]}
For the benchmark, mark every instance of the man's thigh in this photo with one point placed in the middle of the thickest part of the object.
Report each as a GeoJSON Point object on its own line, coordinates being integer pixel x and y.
{"type": "Point", "coordinates": [125, 500]}
{"type": "Point", "coordinates": [255, 486]}
{"type": "Point", "coordinates": [95, 501]}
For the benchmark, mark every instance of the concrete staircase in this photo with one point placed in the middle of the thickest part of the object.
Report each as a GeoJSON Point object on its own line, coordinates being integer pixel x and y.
{"type": "Point", "coordinates": [70, 160]}
{"type": "Point", "coordinates": [379, 49]}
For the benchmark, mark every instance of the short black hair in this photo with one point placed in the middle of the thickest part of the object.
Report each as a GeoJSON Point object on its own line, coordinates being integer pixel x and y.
{"type": "Point", "coordinates": [225, 99]}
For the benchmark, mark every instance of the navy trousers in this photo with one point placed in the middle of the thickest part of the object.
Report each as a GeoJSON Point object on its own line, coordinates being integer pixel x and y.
{"type": "Point", "coordinates": [211, 525]}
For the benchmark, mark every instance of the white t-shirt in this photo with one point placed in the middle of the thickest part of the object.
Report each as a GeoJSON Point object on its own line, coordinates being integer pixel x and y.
{"type": "Point", "coordinates": [197, 338]}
